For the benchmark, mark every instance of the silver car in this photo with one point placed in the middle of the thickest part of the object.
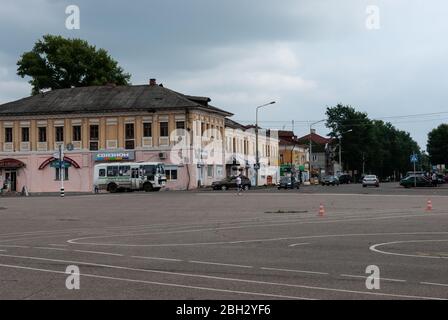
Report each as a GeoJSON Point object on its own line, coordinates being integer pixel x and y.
{"type": "Point", "coordinates": [370, 180]}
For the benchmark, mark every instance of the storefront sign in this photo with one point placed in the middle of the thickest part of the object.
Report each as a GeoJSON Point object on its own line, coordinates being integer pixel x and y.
{"type": "Point", "coordinates": [114, 156]}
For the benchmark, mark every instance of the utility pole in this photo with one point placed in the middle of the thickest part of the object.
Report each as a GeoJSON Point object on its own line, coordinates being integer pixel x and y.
{"type": "Point", "coordinates": [311, 146]}
{"type": "Point", "coordinates": [61, 170]}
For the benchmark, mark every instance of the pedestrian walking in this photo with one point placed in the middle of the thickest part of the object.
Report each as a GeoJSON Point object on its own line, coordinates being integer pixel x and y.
{"type": "Point", "coordinates": [238, 184]}
{"type": "Point", "coordinates": [434, 179]}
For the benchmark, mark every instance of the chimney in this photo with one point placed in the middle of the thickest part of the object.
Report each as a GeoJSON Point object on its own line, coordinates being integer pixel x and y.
{"type": "Point", "coordinates": [152, 82]}
{"type": "Point", "coordinates": [313, 131]}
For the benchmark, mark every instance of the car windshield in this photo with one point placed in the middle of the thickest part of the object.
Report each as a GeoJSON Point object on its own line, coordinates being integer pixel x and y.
{"type": "Point", "coordinates": [285, 179]}
{"type": "Point", "coordinates": [370, 177]}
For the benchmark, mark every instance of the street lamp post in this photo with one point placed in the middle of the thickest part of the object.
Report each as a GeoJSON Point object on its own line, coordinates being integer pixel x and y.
{"type": "Point", "coordinates": [257, 157]}
{"type": "Point", "coordinates": [311, 146]}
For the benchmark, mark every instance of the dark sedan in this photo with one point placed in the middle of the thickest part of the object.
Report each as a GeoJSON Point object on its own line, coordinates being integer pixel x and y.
{"type": "Point", "coordinates": [230, 183]}
{"type": "Point", "coordinates": [411, 181]}
{"type": "Point", "coordinates": [288, 183]}
{"type": "Point", "coordinates": [330, 180]}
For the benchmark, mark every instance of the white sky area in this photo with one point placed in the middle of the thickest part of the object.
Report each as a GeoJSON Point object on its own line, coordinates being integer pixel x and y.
{"type": "Point", "coordinates": [306, 55]}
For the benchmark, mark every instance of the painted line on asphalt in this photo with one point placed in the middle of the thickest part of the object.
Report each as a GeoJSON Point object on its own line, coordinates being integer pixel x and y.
{"type": "Point", "coordinates": [296, 271]}
{"type": "Point", "coordinates": [164, 284]}
{"type": "Point", "coordinates": [2, 250]}
{"type": "Point", "coordinates": [298, 244]}
{"type": "Point", "coordinates": [47, 248]}
{"type": "Point", "coordinates": [13, 246]}
{"type": "Point", "coordinates": [58, 245]}
{"type": "Point", "coordinates": [221, 264]}
{"type": "Point", "coordinates": [99, 252]}
{"type": "Point", "coordinates": [435, 284]}
{"type": "Point", "coordinates": [263, 194]}
{"type": "Point", "coordinates": [364, 277]}
{"type": "Point", "coordinates": [189, 275]}
{"type": "Point", "coordinates": [157, 258]}
{"type": "Point", "coordinates": [375, 246]}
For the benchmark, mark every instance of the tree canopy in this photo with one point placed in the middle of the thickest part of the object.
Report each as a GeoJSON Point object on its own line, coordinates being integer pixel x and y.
{"type": "Point", "coordinates": [438, 145]}
{"type": "Point", "coordinates": [56, 62]}
{"type": "Point", "coordinates": [375, 145]}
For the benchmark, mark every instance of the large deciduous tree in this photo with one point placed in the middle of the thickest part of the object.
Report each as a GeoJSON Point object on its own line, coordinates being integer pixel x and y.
{"type": "Point", "coordinates": [438, 145]}
{"type": "Point", "coordinates": [56, 62]}
{"type": "Point", "coordinates": [376, 146]}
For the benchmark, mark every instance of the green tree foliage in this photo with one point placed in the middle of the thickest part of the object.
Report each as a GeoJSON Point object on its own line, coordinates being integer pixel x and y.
{"type": "Point", "coordinates": [377, 146]}
{"type": "Point", "coordinates": [438, 145]}
{"type": "Point", "coordinates": [56, 62]}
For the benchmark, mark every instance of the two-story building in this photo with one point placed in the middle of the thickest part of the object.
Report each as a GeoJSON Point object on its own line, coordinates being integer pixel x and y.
{"type": "Point", "coordinates": [240, 152]}
{"type": "Point", "coordinates": [107, 123]}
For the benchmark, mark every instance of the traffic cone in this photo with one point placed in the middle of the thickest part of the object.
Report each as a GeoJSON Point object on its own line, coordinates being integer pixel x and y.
{"type": "Point", "coordinates": [321, 210]}
{"type": "Point", "coordinates": [429, 205]}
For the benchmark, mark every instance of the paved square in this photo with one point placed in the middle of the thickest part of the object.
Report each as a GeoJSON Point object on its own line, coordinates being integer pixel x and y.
{"type": "Point", "coordinates": [263, 244]}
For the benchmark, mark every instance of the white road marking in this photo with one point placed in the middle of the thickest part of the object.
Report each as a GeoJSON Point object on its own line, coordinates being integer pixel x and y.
{"type": "Point", "coordinates": [435, 284]}
{"type": "Point", "coordinates": [297, 271]}
{"type": "Point", "coordinates": [76, 241]}
{"type": "Point", "coordinates": [164, 284]}
{"type": "Point", "coordinates": [365, 277]}
{"type": "Point", "coordinates": [221, 264]}
{"type": "Point", "coordinates": [157, 258]}
{"type": "Point", "coordinates": [3, 250]}
{"type": "Point", "coordinates": [263, 194]}
{"type": "Point", "coordinates": [12, 246]}
{"type": "Point", "coordinates": [102, 253]}
{"type": "Point", "coordinates": [58, 245]}
{"type": "Point", "coordinates": [46, 248]}
{"type": "Point", "coordinates": [297, 244]}
{"type": "Point", "coordinates": [375, 246]}
{"type": "Point", "coordinates": [226, 279]}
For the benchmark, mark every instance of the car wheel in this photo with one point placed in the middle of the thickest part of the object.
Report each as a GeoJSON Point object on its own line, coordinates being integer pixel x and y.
{"type": "Point", "coordinates": [223, 188]}
{"type": "Point", "coordinates": [147, 187]}
{"type": "Point", "coordinates": [364, 186]}
{"type": "Point", "coordinates": [112, 187]}
{"type": "Point", "coordinates": [246, 187]}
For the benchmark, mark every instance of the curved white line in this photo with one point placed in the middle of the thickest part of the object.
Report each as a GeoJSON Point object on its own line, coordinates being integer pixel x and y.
{"type": "Point", "coordinates": [375, 246]}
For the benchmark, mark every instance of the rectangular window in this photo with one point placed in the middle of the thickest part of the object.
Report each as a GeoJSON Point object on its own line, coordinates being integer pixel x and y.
{"type": "Point", "coordinates": [8, 135]}
{"type": "Point", "coordinates": [210, 171]}
{"type": "Point", "coordinates": [112, 171]}
{"type": "Point", "coordinates": [94, 137]}
{"type": "Point", "coordinates": [180, 124]}
{"type": "Point", "coordinates": [76, 133]}
{"type": "Point", "coordinates": [58, 177]}
{"type": "Point", "coordinates": [163, 129]}
{"type": "Point", "coordinates": [129, 128]}
{"type": "Point", "coordinates": [42, 131]}
{"type": "Point", "coordinates": [59, 134]}
{"type": "Point", "coordinates": [171, 174]}
{"type": "Point", "coordinates": [147, 129]}
{"type": "Point", "coordinates": [102, 173]}
{"type": "Point", "coordinates": [129, 136]}
{"type": "Point", "coordinates": [124, 171]}
{"type": "Point", "coordinates": [25, 134]}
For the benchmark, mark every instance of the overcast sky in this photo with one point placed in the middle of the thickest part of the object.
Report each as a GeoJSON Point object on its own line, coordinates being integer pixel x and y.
{"type": "Point", "coordinates": [306, 55]}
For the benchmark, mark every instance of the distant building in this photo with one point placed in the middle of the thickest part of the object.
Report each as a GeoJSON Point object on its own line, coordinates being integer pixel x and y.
{"type": "Point", "coordinates": [240, 155]}
{"type": "Point", "coordinates": [109, 123]}
{"type": "Point", "coordinates": [293, 155]}
{"type": "Point", "coordinates": [320, 161]}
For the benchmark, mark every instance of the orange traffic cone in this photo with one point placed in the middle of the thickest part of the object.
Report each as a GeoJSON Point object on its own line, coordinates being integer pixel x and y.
{"type": "Point", "coordinates": [429, 205]}
{"type": "Point", "coordinates": [321, 210]}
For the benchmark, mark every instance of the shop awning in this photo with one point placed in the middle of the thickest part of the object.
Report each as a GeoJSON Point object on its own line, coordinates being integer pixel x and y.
{"type": "Point", "coordinates": [66, 159]}
{"type": "Point", "coordinates": [10, 163]}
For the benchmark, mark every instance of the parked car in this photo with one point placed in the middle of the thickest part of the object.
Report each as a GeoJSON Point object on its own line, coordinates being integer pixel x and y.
{"type": "Point", "coordinates": [330, 180]}
{"type": "Point", "coordinates": [370, 180]}
{"type": "Point", "coordinates": [345, 179]}
{"type": "Point", "coordinates": [230, 183]}
{"type": "Point", "coordinates": [410, 181]}
{"type": "Point", "coordinates": [441, 179]}
{"type": "Point", "coordinates": [288, 183]}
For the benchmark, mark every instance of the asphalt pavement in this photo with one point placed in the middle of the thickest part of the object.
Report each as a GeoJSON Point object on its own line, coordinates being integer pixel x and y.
{"type": "Point", "coordinates": [312, 243]}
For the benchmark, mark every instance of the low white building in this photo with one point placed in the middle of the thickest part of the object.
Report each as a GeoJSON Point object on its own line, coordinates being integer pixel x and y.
{"type": "Point", "coordinates": [240, 153]}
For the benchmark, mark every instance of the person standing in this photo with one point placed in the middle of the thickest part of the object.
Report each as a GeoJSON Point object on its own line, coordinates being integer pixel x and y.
{"type": "Point", "coordinates": [238, 184]}
{"type": "Point", "coordinates": [434, 179]}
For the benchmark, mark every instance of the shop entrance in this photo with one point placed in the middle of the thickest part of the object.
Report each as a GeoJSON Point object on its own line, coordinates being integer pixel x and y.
{"type": "Point", "coordinates": [10, 181]}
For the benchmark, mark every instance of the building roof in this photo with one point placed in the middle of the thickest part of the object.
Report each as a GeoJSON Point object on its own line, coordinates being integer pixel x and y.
{"type": "Point", "coordinates": [108, 98]}
{"type": "Point", "coordinates": [234, 125]}
{"type": "Point", "coordinates": [317, 139]}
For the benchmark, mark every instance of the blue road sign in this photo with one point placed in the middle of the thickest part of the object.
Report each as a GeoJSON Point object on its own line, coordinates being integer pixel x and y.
{"type": "Point", "coordinates": [414, 158]}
